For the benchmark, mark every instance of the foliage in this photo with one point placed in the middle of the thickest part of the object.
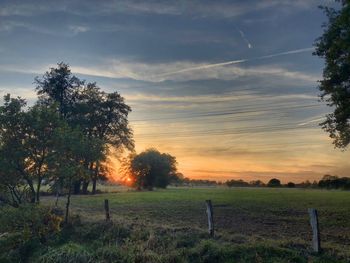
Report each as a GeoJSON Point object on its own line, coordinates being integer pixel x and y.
{"type": "Point", "coordinates": [72, 150]}
{"type": "Point", "coordinates": [25, 229]}
{"type": "Point", "coordinates": [58, 86]}
{"type": "Point", "coordinates": [25, 147]}
{"type": "Point", "coordinates": [334, 47]}
{"type": "Point", "coordinates": [256, 183]}
{"type": "Point", "coordinates": [334, 182]}
{"type": "Point", "coordinates": [99, 115]}
{"type": "Point", "coordinates": [68, 253]}
{"type": "Point", "coordinates": [290, 185]}
{"type": "Point", "coordinates": [151, 169]}
{"type": "Point", "coordinates": [274, 182]}
{"type": "Point", "coordinates": [63, 139]}
{"type": "Point", "coordinates": [236, 183]}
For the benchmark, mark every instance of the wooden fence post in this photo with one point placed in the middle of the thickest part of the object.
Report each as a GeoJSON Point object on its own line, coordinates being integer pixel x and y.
{"type": "Point", "coordinates": [210, 217]}
{"type": "Point", "coordinates": [316, 242]}
{"type": "Point", "coordinates": [107, 210]}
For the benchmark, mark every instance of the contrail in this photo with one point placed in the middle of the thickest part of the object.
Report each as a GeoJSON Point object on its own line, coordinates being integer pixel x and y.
{"type": "Point", "coordinates": [311, 121]}
{"type": "Point", "coordinates": [296, 51]}
{"type": "Point", "coordinates": [204, 67]}
{"type": "Point", "coordinates": [244, 38]}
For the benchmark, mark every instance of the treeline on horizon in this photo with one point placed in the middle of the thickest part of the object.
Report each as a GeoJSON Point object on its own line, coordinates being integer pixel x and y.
{"type": "Point", "coordinates": [327, 182]}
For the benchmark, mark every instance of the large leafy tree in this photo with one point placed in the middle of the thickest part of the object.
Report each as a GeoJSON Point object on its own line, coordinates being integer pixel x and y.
{"type": "Point", "coordinates": [151, 169]}
{"type": "Point", "coordinates": [334, 47]}
{"type": "Point", "coordinates": [13, 175]}
{"type": "Point", "coordinates": [26, 144]}
{"type": "Point", "coordinates": [98, 114]}
{"type": "Point", "coordinates": [102, 116]}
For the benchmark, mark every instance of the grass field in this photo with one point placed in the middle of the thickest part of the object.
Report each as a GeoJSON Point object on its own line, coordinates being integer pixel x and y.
{"type": "Point", "coordinates": [247, 218]}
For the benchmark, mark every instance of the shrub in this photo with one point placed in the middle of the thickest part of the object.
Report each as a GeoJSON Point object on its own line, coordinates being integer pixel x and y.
{"type": "Point", "coordinates": [291, 185]}
{"type": "Point", "coordinates": [24, 229]}
{"type": "Point", "coordinates": [274, 183]}
{"type": "Point", "coordinates": [68, 253]}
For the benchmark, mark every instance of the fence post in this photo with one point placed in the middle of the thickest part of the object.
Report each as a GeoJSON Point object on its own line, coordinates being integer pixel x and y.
{"type": "Point", "coordinates": [316, 242]}
{"type": "Point", "coordinates": [210, 217]}
{"type": "Point", "coordinates": [107, 210]}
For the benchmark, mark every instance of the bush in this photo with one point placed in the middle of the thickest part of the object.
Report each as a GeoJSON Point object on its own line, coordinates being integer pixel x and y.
{"type": "Point", "coordinates": [291, 185]}
{"type": "Point", "coordinates": [274, 183]}
{"type": "Point", "coordinates": [24, 229]}
{"type": "Point", "coordinates": [236, 183]}
{"type": "Point", "coordinates": [68, 253]}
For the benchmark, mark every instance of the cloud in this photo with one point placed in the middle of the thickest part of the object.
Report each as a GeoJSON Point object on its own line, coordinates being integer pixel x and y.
{"type": "Point", "coordinates": [245, 39]}
{"type": "Point", "coordinates": [184, 71]}
{"type": "Point", "coordinates": [222, 9]}
{"type": "Point", "coordinates": [79, 29]}
{"type": "Point", "coordinates": [314, 120]}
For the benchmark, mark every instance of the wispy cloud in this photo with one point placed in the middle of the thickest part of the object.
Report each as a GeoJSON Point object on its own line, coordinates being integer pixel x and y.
{"type": "Point", "coordinates": [231, 62]}
{"type": "Point", "coordinates": [310, 121]}
{"type": "Point", "coordinates": [76, 29]}
{"type": "Point", "coordinates": [195, 8]}
{"type": "Point", "coordinates": [184, 71]}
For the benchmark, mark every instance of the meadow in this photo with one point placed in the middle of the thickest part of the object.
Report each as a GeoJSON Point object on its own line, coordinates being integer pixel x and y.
{"type": "Point", "coordinates": [251, 224]}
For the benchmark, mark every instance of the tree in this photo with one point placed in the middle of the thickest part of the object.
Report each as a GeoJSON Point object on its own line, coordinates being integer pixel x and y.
{"type": "Point", "coordinates": [334, 182]}
{"type": "Point", "coordinates": [151, 169]}
{"type": "Point", "coordinates": [274, 183]}
{"type": "Point", "coordinates": [291, 185]}
{"type": "Point", "coordinates": [98, 114]}
{"type": "Point", "coordinates": [102, 116]}
{"type": "Point", "coordinates": [58, 86]}
{"type": "Point", "coordinates": [26, 144]}
{"type": "Point", "coordinates": [72, 149]}
{"type": "Point", "coordinates": [236, 183]}
{"type": "Point", "coordinates": [13, 164]}
{"type": "Point", "coordinates": [334, 47]}
{"type": "Point", "coordinates": [256, 183]}
{"type": "Point", "coordinates": [41, 124]}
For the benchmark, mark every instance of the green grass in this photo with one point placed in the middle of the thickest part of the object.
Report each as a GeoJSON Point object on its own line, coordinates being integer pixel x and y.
{"type": "Point", "coordinates": [250, 217]}
{"type": "Point", "coordinates": [251, 225]}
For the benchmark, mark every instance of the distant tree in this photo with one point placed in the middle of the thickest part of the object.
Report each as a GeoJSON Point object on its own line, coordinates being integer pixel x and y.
{"type": "Point", "coordinates": [236, 183]}
{"type": "Point", "coordinates": [151, 169]}
{"type": "Point", "coordinates": [314, 184]}
{"type": "Point", "coordinates": [290, 185]}
{"type": "Point", "coordinates": [305, 184]}
{"type": "Point", "coordinates": [177, 179]}
{"type": "Point", "coordinates": [334, 182]}
{"type": "Point", "coordinates": [274, 183]}
{"type": "Point", "coordinates": [334, 47]}
{"type": "Point", "coordinates": [256, 183]}
{"type": "Point", "coordinates": [201, 182]}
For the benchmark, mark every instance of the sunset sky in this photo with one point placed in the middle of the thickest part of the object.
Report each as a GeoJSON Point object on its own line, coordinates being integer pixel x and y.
{"type": "Point", "coordinates": [228, 87]}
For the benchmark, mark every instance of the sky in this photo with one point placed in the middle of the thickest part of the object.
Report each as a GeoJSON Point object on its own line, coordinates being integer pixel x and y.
{"type": "Point", "coordinates": [227, 87]}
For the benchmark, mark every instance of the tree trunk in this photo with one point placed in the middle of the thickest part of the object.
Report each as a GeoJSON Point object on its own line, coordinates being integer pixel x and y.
{"type": "Point", "coordinates": [38, 191]}
{"type": "Point", "coordinates": [94, 181]}
{"type": "Point", "coordinates": [32, 191]}
{"type": "Point", "coordinates": [67, 205]}
{"type": "Point", "coordinates": [85, 187]}
{"type": "Point", "coordinates": [76, 187]}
